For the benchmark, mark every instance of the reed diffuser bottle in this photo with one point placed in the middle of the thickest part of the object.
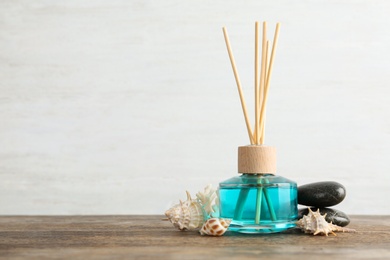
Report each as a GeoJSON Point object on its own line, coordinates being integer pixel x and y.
{"type": "Point", "coordinates": [258, 201]}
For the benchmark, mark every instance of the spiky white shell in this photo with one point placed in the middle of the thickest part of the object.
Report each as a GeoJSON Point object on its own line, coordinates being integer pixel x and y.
{"type": "Point", "coordinates": [315, 223]}
{"type": "Point", "coordinates": [192, 213]}
{"type": "Point", "coordinates": [187, 215]}
{"type": "Point", "coordinates": [208, 199]}
{"type": "Point", "coordinates": [215, 226]}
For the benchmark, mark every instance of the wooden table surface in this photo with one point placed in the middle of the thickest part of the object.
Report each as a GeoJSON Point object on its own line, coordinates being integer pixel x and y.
{"type": "Point", "coordinates": [148, 237]}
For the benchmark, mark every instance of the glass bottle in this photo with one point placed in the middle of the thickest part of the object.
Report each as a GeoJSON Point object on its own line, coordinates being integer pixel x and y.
{"type": "Point", "coordinates": [258, 201]}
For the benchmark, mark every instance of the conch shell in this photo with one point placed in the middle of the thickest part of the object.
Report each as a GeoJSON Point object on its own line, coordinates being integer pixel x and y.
{"type": "Point", "coordinates": [192, 213]}
{"type": "Point", "coordinates": [215, 227]}
{"type": "Point", "coordinates": [315, 223]}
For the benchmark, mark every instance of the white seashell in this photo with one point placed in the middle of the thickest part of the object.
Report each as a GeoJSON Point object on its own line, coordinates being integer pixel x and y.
{"type": "Point", "coordinates": [215, 227]}
{"type": "Point", "coordinates": [187, 215]}
{"type": "Point", "coordinates": [315, 223]}
{"type": "Point", "coordinates": [207, 199]}
{"type": "Point", "coordinates": [192, 213]}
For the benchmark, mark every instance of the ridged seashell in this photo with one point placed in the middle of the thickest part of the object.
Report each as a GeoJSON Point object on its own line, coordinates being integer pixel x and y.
{"type": "Point", "coordinates": [192, 213]}
{"type": "Point", "coordinates": [315, 223]}
{"type": "Point", "coordinates": [215, 227]}
{"type": "Point", "coordinates": [187, 215]}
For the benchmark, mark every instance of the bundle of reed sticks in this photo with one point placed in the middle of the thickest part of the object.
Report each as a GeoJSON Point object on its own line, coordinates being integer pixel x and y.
{"type": "Point", "coordinates": [263, 74]}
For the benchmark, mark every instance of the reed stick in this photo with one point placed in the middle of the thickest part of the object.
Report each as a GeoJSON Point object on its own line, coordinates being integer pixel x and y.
{"type": "Point", "coordinates": [238, 82]}
{"type": "Point", "coordinates": [257, 85]}
{"type": "Point", "coordinates": [269, 202]}
{"type": "Point", "coordinates": [263, 68]}
{"type": "Point", "coordinates": [259, 198]}
{"type": "Point", "coordinates": [271, 61]}
{"type": "Point", "coordinates": [262, 127]}
{"type": "Point", "coordinates": [266, 61]}
{"type": "Point", "coordinates": [242, 197]}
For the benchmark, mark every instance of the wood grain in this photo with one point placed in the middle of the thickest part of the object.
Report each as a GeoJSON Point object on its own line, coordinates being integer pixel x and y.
{"type": "Point", "coordinates": [148, 237]}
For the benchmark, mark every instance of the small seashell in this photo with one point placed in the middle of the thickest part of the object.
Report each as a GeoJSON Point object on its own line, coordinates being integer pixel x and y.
{"type": "Point", "coordinates": [315, 223]}
{"type": "Point", "coordinates": [215, 227]}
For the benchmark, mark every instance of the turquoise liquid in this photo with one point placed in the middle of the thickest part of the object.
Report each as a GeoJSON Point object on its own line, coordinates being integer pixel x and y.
{"type": "Point", "coordinates": [259, 203]}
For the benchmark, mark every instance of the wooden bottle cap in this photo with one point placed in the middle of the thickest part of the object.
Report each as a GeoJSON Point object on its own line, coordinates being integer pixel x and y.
{"type": "Point", "coordinates": [256, 159]}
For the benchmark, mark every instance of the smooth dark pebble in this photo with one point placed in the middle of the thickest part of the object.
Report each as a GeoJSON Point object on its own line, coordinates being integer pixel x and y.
{"type": "Point", "coordinates": [336, 216]}
{"type": "Point", "coordinates": [321, 194]}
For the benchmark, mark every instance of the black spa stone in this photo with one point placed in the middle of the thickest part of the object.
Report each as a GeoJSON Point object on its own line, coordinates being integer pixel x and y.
{"type": "Point", "coordinates": [336, 216]}
{"type": "Point", "coordinates": [321, 194]}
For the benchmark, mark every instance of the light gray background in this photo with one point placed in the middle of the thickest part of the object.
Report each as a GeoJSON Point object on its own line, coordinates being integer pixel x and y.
{"type": "Point", "coordinates": [118, 107]}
